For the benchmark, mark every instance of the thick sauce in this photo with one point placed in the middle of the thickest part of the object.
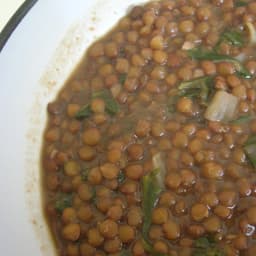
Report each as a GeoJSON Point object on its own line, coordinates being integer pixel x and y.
{"type": "Point", "coordinates": [150, 147]}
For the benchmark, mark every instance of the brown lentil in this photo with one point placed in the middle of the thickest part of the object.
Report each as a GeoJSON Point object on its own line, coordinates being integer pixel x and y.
{"type": "Point", "coordinates": [171, 230]}
{"type": "Point", "coordinates": [199, 212]}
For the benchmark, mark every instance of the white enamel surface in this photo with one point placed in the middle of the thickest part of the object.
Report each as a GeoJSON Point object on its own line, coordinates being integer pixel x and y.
{"type": "Point", "coordinates": [7, 9]}
{"type": "Point", "coordinates": [37, 59]}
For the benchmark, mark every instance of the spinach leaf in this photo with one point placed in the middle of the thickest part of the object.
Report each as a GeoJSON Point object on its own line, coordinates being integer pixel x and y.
{"type": "Point", "coordinates": [149, 248]}
{"type": "Point", "coordinates": [150, 193]}
{"type": "Point", "coordinates": [121, 177]}
{"type": "Point", "coordinates": [240, 3]}
{"type": "Point", "coordinates": [243, 119]}
{"type": "Point", "coordinates": [122, 52]}
{"type": "Point", "coordinates": [250, 150]}
{"type": "Point", "coordinates": [84, 174]}
{"type": "Point", "coordinates": [208, 252]}
{"type": "Point", "coordinates": [172, 102]}
{"type": "Point", "coordinates": [251, 140]}
{"type": "Point", "coordinates": [200, 54]}
{"type": "Point", "coordinates": [64, 201]}
{"type": "Point", "coordinates": [122, 78]}
{"type": "Point", "coordinates": [200, 88]}
{"type": "Point", "coordinates": [204, 246]}
{"type": "Point", "coordinates": [125, 253]}
{"type": "Point", "coordinates": [234, 37]}
{"type": "Point", "coordinates": [102, 94]}
{"type": "Point", "coordinates": [94, 196]}
{"type": "Point", "coordinates": [202, 242]}
{"type": "Point", "coordinates": [112, 107]}
{"type": "Point", "coordinates": [151, 189]}
{"type": "Point", "coordinates": [84, 112]}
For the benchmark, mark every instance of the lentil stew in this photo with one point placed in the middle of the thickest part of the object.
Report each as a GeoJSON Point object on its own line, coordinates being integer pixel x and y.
{"type": "Point", "coordinates": [150, 146]}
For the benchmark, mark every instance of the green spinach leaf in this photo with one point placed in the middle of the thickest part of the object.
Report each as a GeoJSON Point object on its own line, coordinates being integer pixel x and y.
{"type": "Point", "coordinates": [200, 54]}
{"type": "Point", "coordinates": [125, 253]}
{"type": "Point", "coordinates": [112, 107]}
{"type": "Point", "coordinates": [233, 37]}
{"type": "Point", "coordinates": [240, 3]}
{"type": "Point", "coordinates": [64, 201]}
{"type": "Point", "coordinates": [250, 150]}
{"type": "Point", "coordinates": [204, 246]}
{"type": "Point", "coordinates": [200, 88]}
{"type": "Point", "coordinates": [121, 177]}
{"type": "Point", "coordinates": [84, 112]}
{"type": "Point", "coordinates": [149, 248]}
{"type": "Point", "coordinates": [84, 174]}
{"type": "Point", "coordinates": [94, 196]}
{"type": "Point", "coordinates": [150, 194]}
{"type": "Point", "coordinates": [172, 101]}
{"type": "Point", "coordinates": [122, 78]}
{"type": "Point", "coordinates": [243, 119]}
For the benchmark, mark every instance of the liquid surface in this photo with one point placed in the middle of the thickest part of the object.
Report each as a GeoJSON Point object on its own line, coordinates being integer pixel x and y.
{"type": "Point", "coordinates": [150, 147]}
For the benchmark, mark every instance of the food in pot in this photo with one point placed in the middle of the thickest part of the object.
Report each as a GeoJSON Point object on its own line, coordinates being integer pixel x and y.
{"type": "Point", "coordinates": [150, 146]}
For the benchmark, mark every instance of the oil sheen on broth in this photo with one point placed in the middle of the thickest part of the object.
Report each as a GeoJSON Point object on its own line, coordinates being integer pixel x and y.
{"type": "Point", "coordinates": [150, 147]}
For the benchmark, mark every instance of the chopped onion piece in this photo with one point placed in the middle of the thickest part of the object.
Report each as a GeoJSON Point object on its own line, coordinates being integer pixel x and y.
{"type": "Point", "coordinates": [158, 163]}
{"type": "Point", "coordinates": [252, 32]}
{"type": "Point", "coordinates": [241, 57]}
{"type": "Point", "coordinates": [188, 45]}
{"type": "Point", "coordinates": [198, 73]}
{"type": "Point", "coordinates": [222, 107]}
{"type": "Point", "coordinates": [115, 90]}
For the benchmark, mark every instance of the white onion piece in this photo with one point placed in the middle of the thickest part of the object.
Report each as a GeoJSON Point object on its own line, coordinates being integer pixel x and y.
{"type": "Point", "coordinates": [222, 107]}
{"type": "Point", "coordinates": [188, 45]}
{"type": "Point", "coordinates": [241, 57]}
{"type": "Point", "coordinates": [252, 32]}
{"type": "Point", "coordinates": [115, 90]}
{"type": "Point", "coordinates": [158, 163]}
